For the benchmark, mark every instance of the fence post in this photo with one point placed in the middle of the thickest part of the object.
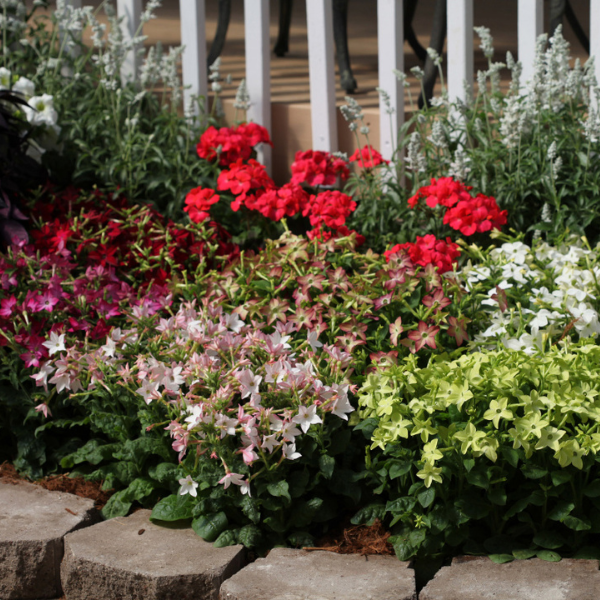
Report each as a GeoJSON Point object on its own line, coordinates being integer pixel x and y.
{"type": "Point", "coordinates": [595, 37]}
{"type": "Point", "coordinates": [192, 17]}
{"type": "Point", "coordinates": [319, 17]}
{"type": "Point", "coordinates": [530, 26]}
{"type": "Point", "coordinates": [390, 39]}
{"type": "Point", "coordinates": [460, 48]}
{"type": "Point", "coordinates": [258, 69]}
{"type": "Point", "coordinates": [131, 10]}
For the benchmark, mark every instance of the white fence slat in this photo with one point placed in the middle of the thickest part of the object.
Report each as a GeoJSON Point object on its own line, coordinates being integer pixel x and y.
{"type": "Point", "coordinates": [460, 47]}
{"type": "Point", "coordinates": [390, 39]}
{"type": "Point", "coordinates": [131, 10]}
{"type": "Point", "coordinates": [530, 25]}
{"type": "Point", "coordinates": [319, 16]}
{"type": "Point", "coordinates": [192, 17]}
{"type": "Point", "coordinates": [258, 69]}
{"type": "Point", "coordinates": [595, 36]}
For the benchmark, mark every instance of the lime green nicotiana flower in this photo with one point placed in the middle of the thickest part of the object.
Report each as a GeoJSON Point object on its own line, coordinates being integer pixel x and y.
{"type": "Point", "coordinates": [549, 439]}
{"type": "Point", "coordinates": [469, 437]}
{"type": "Point", "coordinates": [430, 473]}
{"type": "Point", "coordinates": [498, 411]}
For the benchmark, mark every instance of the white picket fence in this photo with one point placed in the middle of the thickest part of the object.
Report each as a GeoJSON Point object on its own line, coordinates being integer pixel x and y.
{"type": "Point", "coordinates": [321, 56]}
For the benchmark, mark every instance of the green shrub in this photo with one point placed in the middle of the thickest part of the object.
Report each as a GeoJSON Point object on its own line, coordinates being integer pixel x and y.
{"type": "Point", "coordinates": [492, 452]}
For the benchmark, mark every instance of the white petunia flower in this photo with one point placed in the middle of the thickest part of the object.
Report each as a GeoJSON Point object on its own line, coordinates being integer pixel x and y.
{"type": "Point", "coordinates": [42, 111]}
{"type": "Point", "coordinates": [188, 486]}
{"type": "Point", "coordinates": [24, 86]}
{"type": "Point", "coordinates": [56, 343]}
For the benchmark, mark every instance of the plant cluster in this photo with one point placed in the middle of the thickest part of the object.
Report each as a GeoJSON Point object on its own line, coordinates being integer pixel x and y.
{"type": "Point", "coordinates": [494, 452]}
{"type": "Point", "coordinates": [526, 295]}
{"type": "Point", "coordinates": [534, 148]}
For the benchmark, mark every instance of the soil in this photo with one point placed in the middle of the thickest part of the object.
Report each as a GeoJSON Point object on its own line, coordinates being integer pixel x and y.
{"type": "Point", "coordinates": [61, 483]}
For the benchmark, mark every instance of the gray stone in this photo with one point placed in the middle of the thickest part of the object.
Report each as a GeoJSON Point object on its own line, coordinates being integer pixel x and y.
{"type": "Point", "coordinates": [288, 574]}
{"type": "Point", "coordinates": [33, 522]}
{"type": "Point", "coordinates": [131, 558]}
{"type": "Point", "coordinates": [470, 578]}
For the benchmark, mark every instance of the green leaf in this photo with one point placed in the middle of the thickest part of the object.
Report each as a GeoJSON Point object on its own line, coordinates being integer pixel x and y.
{"type": "Point", "coordinates": [209, 527]}
{"type": "Point", "coordinates": [280, 490]}
{"type": "Point", "coordinates": [368, 514]}
{"type": "Point", "coordinates": [426, 497]}
{"type": "Point", "coordinates": [468, 464]}
{"type": "Point", "coordinates": [474, 508]}
{"type": "Point", "coordinates": [479, 478]}
{"type": "Point", "coordinates": [276, 523]}
{"type": "Point", "coordinates": [398, 469]}
{"type": "Point", "coordinates": [173, 508]}
{"type": "Point", "coordinates": [250, 508]}
{"type": "Point", "coordinates": [501, 558]}
{"type": "Point", "coordinates": [592, 490]}
{"type": "Point", "coordinates": [533, 471]}
{"type": "Point", "coordinates": [549, 539]}
{"type": "Point", "coordinates": [229, 537]}
{"type": "Point", "coordinates": [118, 505]}
{"type": "Point", "coordinates": [560, 477]}
{"type": "Point", "coordinates": [517, 507]}
{"type": "Point", "coordinates": [298, 482]}
{"type": "Point", "coordinates": [400, 505]}
{"type": "Point", "coordinates": [326, 465]}
{"type": "Point", "coordinates": [141, 488]}
{"type": "Point", "coordinates": [577, 524]}
{"type": "Point", "coordinates": [561, 510]}
{"type": "Point", "coordinates": [588, 553]}
{"type": "Point", "coordinates": [164, 472]}
{"type": "Point", "coordinates": [250, 536]}
{"type": "Point", "coordinates": [497, 496]}
{"type": "Point", "coordinates": [523, 554]}
{"type": "Point", "coordinates": [511, 456]}
{"type": "Point", "coordinates": [549, 556]}
{"type": "Point", "coordinates": [303, 513]}
{"type": "Point", "coordinates": [93, 452]}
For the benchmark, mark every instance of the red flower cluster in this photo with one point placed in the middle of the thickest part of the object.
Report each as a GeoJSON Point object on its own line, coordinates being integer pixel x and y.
{"type": "Point", "coordinates": [464, 213]}
{"type": "Point", "coordinates": [475, 214]}
{"type": "Point", "coordinates": [428, 250]}
{"type": "Point", "coordinates": [330, 208]}
{"type": "Point", "coordinates": [445, 191]}
{"type": "Point", "coordinates": [93, 254]}
{"type": "Point", "coordinates": [314, 168]}
{"type": "Point", "coordinates": [275, 204]}
{"type": "Point", "coordinates": [198, 202]}
{"type": "Point", "coordinates": [367, 157]}
{"type": "Point", "coordinates": [244, 181]}
{"type": "Point", "coordinates": [235, 142]}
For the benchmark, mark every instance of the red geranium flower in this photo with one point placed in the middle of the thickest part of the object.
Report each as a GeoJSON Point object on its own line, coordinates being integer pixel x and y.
{"type": "Point", "coordinates": [445, 191]}
{"type": "Point", "coordinates": [198, 202]}
{"type": "Point", "coordinates": [367, 157]}
{"type": "Point", "coordinates": [315, 167]}
{"type": "Point", "coordinates": [429, 250]}
{"type": "Point", "coordinates": [236, 143]}
{"type": "Point", "coordinates": [477, 214]}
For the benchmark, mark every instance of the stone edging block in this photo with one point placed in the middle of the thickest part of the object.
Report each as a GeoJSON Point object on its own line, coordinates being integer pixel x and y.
{"type": "Point", "coordinates": [33, 522]}
{"type": "Point", "coordinates": [131, 558]}
{"type": "Point", "coordinates": [478, 578]}
{"type": "Point", "coordinates": [288, 574]}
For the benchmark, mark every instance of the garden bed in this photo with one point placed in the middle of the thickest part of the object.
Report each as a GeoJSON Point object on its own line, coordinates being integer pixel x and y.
{"type": "Point", "coordinates": [411, 344]}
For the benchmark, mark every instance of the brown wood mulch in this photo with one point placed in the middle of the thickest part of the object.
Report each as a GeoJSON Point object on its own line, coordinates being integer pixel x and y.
{"type": "Point", "coordinates": [356, 539]}
{"type": "Point", "coordinates": [61, 483]}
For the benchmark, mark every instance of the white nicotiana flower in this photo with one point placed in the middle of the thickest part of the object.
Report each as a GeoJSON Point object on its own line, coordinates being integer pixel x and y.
{"type": "Point", "coordinates": [188, 486]}
{"type": "Point", "coordinates": [56, 343]}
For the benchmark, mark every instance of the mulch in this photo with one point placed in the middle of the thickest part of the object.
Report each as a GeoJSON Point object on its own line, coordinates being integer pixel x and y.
{"type": "Point", "coordinates": [61, 483]}
{"type": "Point", "coordinates": [356, 539]}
